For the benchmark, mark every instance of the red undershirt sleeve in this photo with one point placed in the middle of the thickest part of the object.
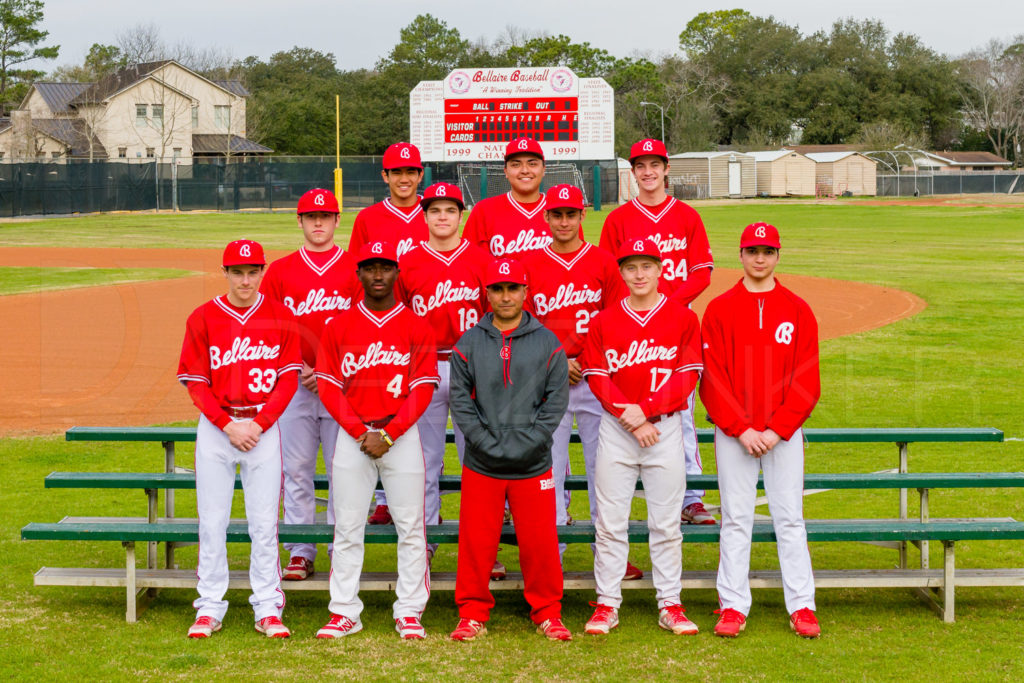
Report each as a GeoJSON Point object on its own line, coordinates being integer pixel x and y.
{"type": "Point", "coordinates": [203, 398]}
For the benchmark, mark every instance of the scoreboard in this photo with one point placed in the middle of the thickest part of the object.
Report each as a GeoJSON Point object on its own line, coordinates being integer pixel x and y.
{"type": "Point", "coordinates": [474, 113]}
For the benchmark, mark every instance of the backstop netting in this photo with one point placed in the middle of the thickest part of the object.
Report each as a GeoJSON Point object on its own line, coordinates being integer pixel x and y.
{"type": "Point", "coordinates": [478, 181]}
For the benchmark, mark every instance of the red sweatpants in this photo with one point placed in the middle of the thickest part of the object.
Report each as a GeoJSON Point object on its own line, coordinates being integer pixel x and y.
{"type": "Point", "coordinates": [481, 515]}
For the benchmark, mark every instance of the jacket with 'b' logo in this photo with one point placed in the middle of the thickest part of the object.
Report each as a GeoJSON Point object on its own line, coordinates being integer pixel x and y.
{"type": "Point", "coordinates": [760, 361]}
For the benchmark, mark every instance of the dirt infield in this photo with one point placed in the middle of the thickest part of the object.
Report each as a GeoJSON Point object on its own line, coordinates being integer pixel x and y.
{"type": "Point", "coordinates": [107, 356]}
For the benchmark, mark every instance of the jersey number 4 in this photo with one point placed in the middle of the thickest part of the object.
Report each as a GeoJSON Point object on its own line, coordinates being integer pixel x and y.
{"type": "Point", "coordinates": [262, 380]}
{"type": "Point", "coordinates": [394, 387]}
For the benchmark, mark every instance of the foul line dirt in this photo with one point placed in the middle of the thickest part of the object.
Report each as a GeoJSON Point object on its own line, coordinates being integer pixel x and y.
{"type": "Point", "coordinates": [108, 355]}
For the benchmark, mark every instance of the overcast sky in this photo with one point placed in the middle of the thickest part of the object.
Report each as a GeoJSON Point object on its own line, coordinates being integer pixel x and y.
{"type": "Point", "coordinates": [359, 33]}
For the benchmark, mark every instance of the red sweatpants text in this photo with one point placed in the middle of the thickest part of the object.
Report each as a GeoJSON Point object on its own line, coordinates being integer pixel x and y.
{"type": "Point", "coordinates": [481, 515]}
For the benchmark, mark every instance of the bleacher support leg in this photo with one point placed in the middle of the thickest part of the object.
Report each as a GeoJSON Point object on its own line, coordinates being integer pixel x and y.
{"type": "Point", "coordinates": [903, 501]}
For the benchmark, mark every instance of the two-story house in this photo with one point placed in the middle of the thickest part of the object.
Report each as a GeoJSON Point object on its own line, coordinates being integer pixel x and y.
{"type": "Point", "coordinates": [157, 110]}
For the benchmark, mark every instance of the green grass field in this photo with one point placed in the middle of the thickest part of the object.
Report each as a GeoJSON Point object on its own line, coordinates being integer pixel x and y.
{"type": "Point", "coordinates": [955, 364]}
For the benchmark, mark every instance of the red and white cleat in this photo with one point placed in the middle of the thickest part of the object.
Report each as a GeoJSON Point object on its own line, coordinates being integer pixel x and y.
{"type": "Point", "coordinates": [673, 618]}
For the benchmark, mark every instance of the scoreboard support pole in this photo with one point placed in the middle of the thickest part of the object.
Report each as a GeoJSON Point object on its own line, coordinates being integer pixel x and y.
{"type": "Point", "coordinates": [597, 188]}
{"type": "Point", "coordinates": [483, 182]}
{"type": "Point", "coordinates": [428, 176]}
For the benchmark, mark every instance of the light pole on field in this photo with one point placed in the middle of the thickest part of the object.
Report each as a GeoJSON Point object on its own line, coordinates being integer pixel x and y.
{"type": "Point", "coordinates": [655, 104]}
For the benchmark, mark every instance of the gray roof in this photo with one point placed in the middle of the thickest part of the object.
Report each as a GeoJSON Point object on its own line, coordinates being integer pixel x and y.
{"type": "Point", "coordinates": [73, 133]}
{"type": "Point", "coordinates": [117, 81]}
{"type": "Point", "coordinates": [233, 87]}
{"type": "Point", "coordinates": [217, 143]}
{"type": "Point", "coordinates": [58, 95]}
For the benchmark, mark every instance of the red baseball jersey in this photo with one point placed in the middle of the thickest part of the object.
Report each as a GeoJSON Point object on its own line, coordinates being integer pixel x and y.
{"type": "Point", "coordinates": [760, 361]}
{"type": "Point", "coordinates": [566, 291]}
{"type": "Point", "coordinates": [240, 353]}
{"type": "Point", "coordinates": [314, 285]}
{"type": "Point", "coordinates": [651, 358]}
{"type": "Point", "coordinates": [370, 363]}
{"type": "Point", "coordinates": [506, 227]}
{"type": "Point", "coordinates": [402, 226]}
{"type": "Point", "coordinates": [677, 229]}
{"type": "Point", "coordinates": [445, 287]}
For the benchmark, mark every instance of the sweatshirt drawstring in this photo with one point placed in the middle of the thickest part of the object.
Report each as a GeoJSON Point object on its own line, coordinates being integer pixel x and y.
{"type": "Point", "coordinates": [760, 314]}
{"type": "Point", "coordinates": [506, 360]}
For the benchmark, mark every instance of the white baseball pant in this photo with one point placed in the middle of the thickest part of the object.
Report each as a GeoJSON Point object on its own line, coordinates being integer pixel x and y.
{"type": "Point", "coordinates": [620, 460]}
{"type": "Point", "coordinates": [355, 475]}
{"type": "Point", "coordinates": [216, 460]}
{"type": "Point", "coordinates": [784, 485]}
{"type": "Point", "coordinates": [690, 450]}
{"type": "Point", "coordinates": [305, 427]}
{"type": "Point", "coordinates": [587, 410]}
{"type": "Point", "coordinates": [433, 425]}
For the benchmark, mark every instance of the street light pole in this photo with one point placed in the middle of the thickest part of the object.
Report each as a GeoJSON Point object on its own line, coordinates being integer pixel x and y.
{"type": "Point", "coordinates": [655, 104]}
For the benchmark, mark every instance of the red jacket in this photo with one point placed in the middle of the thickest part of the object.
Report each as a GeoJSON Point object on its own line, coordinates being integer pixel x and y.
{"type": "Point", "coordinates": [760, 361]}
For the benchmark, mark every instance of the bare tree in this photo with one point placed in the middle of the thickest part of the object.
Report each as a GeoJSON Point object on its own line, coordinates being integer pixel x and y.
{"type": "Point", "coordinates": [886, 135]}
{"type": "Point", "coordinates": [141, 43]}
{"type": "Point", "coordinates": [992, 89]}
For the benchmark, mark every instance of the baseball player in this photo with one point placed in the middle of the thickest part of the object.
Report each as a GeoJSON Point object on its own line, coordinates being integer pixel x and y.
{"type": "Point", "coordinates": [316, 282]}
{"type": "Point", "coordinates": [398, 220]}
{"type": "Point", "coordinates": [442, 281]}
{"type": "Point", "coordinates": [686, 267]}
{"type": "Point", "coordinates": [509, 391]}
{"type": "Point", "coordinates": [642, 360]}
{"type": "Point", "coordinates": [760, 385]}
{"type": "Point", "coordinates": [570, 282]}
{"type": "Point", "coordinates": [376, 371]}
{"type": "Point", "coordinates": [240, 361]}
{"type": "Point", "coordinates": [512, 224]}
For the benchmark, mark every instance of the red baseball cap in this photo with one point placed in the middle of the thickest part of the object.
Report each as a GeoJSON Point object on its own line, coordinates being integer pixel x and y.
{"type": "Point", "coordinates": [318, 199]}
{"type": "Point", "coordinates": [564, 197]}
{"type": "Point", "coordinates": [378, 250]}
{"type": "Point", "coordinates": [523, 146]}
{"type": "Point", "coordinates": [505, 270]}
{"type": "Point", "coordinates": [442, 191]}
{"type": "Point", "coordinates": [243, 253]}
{"type": "Point", "coordinates": [760, 235]}
{"type": "Point", "coordinates": [646, 147]}
{"type": "Point", "coordinates": [644, 247]}
{"type": "Point", "coordinates": [402, 155]}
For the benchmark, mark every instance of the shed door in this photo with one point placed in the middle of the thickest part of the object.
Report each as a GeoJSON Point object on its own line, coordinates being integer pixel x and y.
{"type": "Point", "coordinates": [735, 179]}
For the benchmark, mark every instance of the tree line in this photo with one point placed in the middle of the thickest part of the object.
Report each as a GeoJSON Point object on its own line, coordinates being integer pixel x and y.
{"type": "Point", "coordinates": [736, 79]}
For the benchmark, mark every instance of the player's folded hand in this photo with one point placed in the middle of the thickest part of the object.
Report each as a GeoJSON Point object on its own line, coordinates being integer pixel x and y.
{"type": "Point", "coordinates": [754, 442]}
{"type": "Point", "coordinates": [647, 434]}
{"type": "Point", "coordinates": [243, 435]}
{"type": "Point", "coordinates": [632, 415]}
{"type": "Point", "coordinates": [373, 445]}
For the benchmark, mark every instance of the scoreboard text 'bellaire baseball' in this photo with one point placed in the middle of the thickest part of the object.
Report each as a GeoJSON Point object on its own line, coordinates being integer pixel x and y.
{"type": "Point", "coordinates": [473, 113]}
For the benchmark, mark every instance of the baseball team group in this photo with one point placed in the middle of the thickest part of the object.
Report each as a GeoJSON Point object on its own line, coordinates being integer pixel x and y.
{"type": "Point", "coordinates": [518, 329]}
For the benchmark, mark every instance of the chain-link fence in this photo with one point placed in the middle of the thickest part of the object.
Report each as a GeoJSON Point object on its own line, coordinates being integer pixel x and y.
{"type": "Point", "coordinates": [976, 182]}
{"type": "Point", "coordinates": [214, 184]}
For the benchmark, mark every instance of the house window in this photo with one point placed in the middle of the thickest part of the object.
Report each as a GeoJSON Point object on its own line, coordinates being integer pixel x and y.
{"type": "Point", "coordinates": [140, 116]}
{"type": "Point", "coordinates": [158, 116]}
{"type": "Point", "coordinates": [1, 155]}
{"type": "Point", "coordinates": [150, 152]}
{"type": "Point", "coordinates": [222, 116]}
{"type": "Point", "coordinates": [55, 155]}
{"type": "Point", "coordinates": [195, 115]}
{"type": "Point", "coordinates": [177, 152]}
{"type": "Point", "coordinates": [122, 152]}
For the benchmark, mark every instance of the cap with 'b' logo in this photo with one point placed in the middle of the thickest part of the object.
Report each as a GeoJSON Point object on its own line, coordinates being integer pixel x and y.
{"type": "Point", "coordinates": [760, 235]}
{"type": "Point", "coordinates": [243, 253]}
{"type": "Point", "coordinates": [564, 196]}
{"type": "Point", "coordinates": [648, 147]}
{"type": "Point", "coordinates": [317, 200]}
{"type": "Point", "coordinates": [645, 247]}
{"type": "Point", "coordinates": [442, 191]}
{"type": "Point", "coordinates": [523, 146]}
{"type": "Point", "coordinates": [378, 250]}
{"type": "Point", "coordinates": [505, 270]}
{"type": "Point", "coordinates": [402, 155]}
